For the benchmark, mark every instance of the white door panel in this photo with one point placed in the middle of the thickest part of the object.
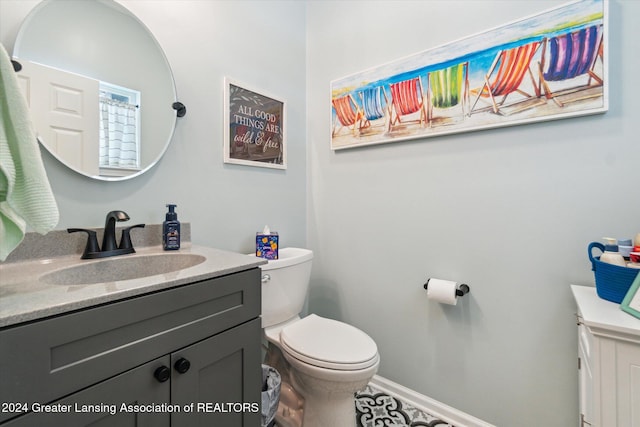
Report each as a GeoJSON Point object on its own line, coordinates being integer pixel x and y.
{"type": "Point", "coordinates": [64, 108]}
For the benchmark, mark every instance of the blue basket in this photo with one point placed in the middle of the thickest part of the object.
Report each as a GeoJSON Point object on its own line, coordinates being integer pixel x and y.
{"type": "Point", "coordinates": [612, 281]}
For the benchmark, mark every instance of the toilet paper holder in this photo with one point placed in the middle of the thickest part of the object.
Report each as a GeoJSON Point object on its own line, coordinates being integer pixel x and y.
{"type": "Point", "coordinates": [462, 290]}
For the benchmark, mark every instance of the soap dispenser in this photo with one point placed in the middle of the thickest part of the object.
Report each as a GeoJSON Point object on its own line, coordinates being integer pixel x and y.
{"type": "Point", "coordinates": [171, 230]}
{"type": "Point", "coordinates": [611, 254]}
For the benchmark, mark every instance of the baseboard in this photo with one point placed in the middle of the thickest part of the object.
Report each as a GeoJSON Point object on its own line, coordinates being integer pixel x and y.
{"type": "Point", "coordinates": [427, 404]}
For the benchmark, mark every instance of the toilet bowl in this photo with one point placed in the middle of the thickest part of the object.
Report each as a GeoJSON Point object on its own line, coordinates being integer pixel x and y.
{"type": "Point", "coordinates": [323, 362]}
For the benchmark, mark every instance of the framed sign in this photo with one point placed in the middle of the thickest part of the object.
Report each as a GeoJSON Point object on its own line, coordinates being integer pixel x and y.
{"type": "Point", "coordinates": [631, 302]}
{"type": "Point", "coordinates": [254, 128]}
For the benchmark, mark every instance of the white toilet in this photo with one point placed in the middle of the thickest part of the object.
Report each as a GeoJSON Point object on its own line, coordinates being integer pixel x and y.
{"type": "Point", "coordinates": [325, 361]}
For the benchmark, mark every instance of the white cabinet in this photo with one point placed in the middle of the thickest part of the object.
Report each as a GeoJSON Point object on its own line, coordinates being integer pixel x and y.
{"type": "Point", "coordinates": [608, 362]}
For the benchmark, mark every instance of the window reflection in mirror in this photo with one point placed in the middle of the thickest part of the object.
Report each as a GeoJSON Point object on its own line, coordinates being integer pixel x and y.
{"type": "Point", "coordinates": [119, 130]}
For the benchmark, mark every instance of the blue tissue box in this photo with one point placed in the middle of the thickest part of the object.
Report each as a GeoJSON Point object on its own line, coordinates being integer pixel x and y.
{"type": "Point", "coordinates": [267, 245]}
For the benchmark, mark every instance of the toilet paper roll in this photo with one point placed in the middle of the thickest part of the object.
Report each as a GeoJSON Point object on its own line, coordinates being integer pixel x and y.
{"type": "Point", "coordinates": [443, 291]}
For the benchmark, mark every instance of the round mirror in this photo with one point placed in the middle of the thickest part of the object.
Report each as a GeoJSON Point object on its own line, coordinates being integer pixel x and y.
{"type": "Point", "coordinates": [99, 87]}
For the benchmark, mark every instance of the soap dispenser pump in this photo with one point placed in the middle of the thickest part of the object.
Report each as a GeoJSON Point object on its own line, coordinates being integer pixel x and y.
{"type": "Point", "coordinates": [611, 254]}
{"type": "Point", "coordinates": [171, 230]}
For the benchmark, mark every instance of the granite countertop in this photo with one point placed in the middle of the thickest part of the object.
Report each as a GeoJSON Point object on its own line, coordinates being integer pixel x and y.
{"type": "Point", "coordinates": [24, 297]}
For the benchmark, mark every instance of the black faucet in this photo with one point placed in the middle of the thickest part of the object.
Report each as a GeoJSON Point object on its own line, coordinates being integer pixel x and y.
{"type": "Point", "coordinates": [109, 246]}
{"type": "Point", "coordinates": [109, 237]}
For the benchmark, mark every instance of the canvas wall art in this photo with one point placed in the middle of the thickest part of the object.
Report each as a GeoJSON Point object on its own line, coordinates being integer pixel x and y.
{"type": "Point", "coordinates": [548, 66]}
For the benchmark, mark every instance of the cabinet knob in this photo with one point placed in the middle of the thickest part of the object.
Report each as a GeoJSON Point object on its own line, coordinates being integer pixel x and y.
{"type": "Point", "coordinates": [182, 365]}
{"type": "Point", "coordinates": [162, 374]}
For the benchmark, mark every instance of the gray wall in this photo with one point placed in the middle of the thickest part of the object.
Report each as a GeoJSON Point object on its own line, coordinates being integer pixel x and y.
{"type": "Point", "coordinates": [509, 211]}
{"type": "Point", "coordinates": [259, 43]}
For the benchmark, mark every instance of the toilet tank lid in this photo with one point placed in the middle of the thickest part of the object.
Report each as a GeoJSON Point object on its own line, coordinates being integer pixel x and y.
{"type": "Point", "coordinates": [288, 257]}
{"type": "Point", "coordinates": [329, 340]}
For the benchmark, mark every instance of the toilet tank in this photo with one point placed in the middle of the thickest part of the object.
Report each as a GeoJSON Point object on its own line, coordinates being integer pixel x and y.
{"type": "Point", "coordinates": [285, 283]}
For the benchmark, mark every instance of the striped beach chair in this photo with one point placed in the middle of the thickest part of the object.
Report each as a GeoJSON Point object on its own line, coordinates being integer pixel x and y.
{"type": "Point", "coordinates": [448, 88]}
{"type": "Point", "coordinates": [567, 57]}
{"type": "Point", "coordinates": [348, 115]}
{"type": "Point", "coordinates": [407, 98]}
{"type": "Point", "coordinates": [373, 102]}
{"type": "Point", "coordinates": [505, 77]}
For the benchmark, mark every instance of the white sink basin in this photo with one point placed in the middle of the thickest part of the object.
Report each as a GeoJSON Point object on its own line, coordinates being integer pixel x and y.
{"type": "Point", "coordinates": [121, 268]}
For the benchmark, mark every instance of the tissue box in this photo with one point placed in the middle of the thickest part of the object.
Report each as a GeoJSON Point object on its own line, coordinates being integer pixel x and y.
{"type": "Point", "coordinates": [267, 245]}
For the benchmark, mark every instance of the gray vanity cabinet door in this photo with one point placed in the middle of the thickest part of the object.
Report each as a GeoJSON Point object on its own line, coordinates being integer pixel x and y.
{"type": "Point", "coordinates": [224, 372]}
{"type": "Point", "coordinates": [101, 404]}
{"type": "Point", "coordinates": [46, 360]}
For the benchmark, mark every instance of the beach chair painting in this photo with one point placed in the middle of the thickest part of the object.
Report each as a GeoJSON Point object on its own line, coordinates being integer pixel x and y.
{"type": "Point", "coordinates": [529, 70]}
{"type": "Point", "coordinates": [373, 105]}
{"type": "Point", "coordinates": [347, 115]}
{"type": "Point", "coordinates": [407, 99]}
{"type": "Point", "coordinates": [507, 72]}
{"type": "Point", "coordinates": [448, 88]}
{"type": "Point", "coordinates": [569, 57]}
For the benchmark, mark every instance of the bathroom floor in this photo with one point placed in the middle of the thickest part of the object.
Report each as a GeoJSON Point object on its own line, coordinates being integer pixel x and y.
{"type": "Point", "coordinates": [376, 408]}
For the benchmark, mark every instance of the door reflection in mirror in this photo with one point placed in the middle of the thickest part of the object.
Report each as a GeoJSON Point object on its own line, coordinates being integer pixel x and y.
{"type": "Point", "coordinates": [68, 108]}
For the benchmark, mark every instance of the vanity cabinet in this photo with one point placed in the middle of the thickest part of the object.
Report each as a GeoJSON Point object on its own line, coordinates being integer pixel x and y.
{"type": "Point", "coordinates": [186, 356]}
{"type": "Point", "coordinates": [608, 362]}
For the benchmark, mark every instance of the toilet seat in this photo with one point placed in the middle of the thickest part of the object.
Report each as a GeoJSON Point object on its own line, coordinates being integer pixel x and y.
{"type": "Point", "coordinates": [329, 344]}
